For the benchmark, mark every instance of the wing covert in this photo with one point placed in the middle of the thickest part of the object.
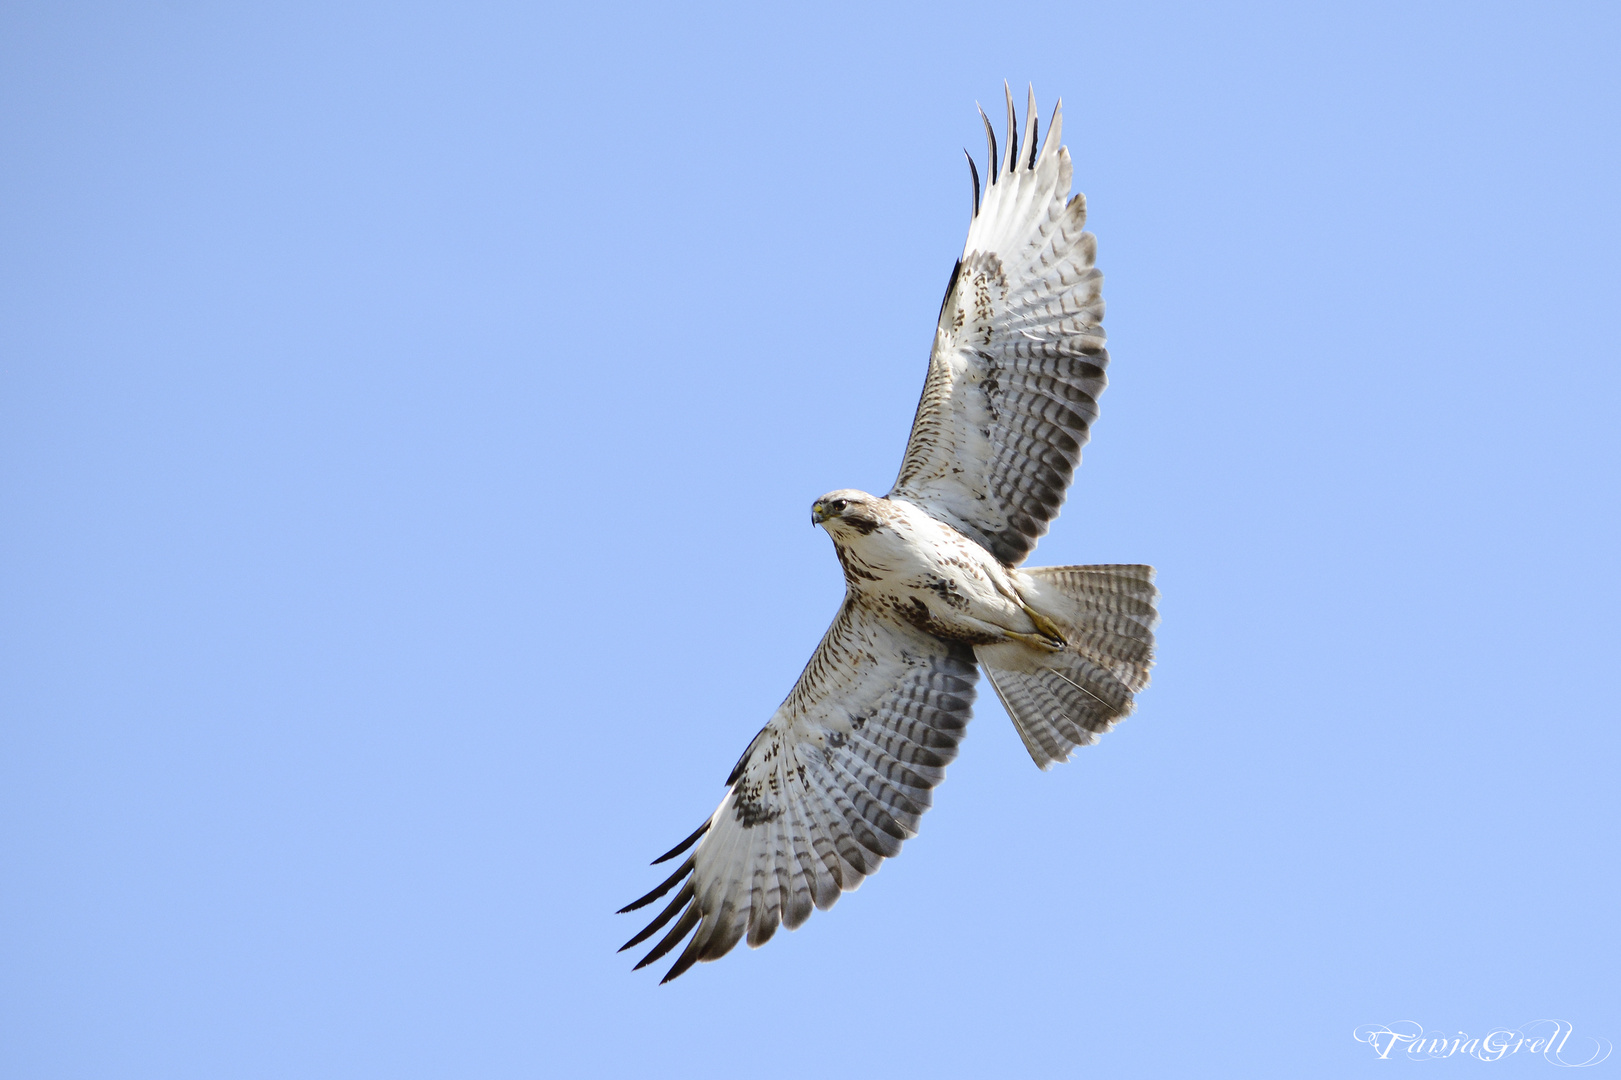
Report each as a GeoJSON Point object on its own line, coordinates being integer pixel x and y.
{"type": "Point", "coordinates": [1018, 359]}
{"type": "Point", "coordinates": [827, 790]}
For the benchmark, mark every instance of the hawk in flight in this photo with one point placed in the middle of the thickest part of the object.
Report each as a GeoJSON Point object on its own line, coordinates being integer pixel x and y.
{"type": "Point", "coordinates": [845, 768]}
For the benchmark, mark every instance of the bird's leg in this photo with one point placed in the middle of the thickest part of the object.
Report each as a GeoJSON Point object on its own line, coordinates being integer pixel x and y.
{"type": "Point", "coordinates": [1048, 637]}
{"type": "Point", "coordinates": [1045, 627]}
{"type": "Point", "coordinates": [1038, 641]}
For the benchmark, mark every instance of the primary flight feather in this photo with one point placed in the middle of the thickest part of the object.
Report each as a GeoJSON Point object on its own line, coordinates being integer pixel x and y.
{"type": "Point", "coordinates": [845, 768]}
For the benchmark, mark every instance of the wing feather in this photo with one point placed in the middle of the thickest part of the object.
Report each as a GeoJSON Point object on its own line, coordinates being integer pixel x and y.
{"type": "Point", "coordinates": [1018, 361]}
{"type": "Point", "coordinates": [830, 787]}
{"type": "Point", "coordinates": [842, 774]}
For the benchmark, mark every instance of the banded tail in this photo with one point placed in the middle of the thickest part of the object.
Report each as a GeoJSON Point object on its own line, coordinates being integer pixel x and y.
{"type": "Point", "coordinates": [1062, 700]}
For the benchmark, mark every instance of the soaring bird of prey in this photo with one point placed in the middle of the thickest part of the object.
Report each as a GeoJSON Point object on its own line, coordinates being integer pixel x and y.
{"type": "Point", "coordinates": [845, 768]}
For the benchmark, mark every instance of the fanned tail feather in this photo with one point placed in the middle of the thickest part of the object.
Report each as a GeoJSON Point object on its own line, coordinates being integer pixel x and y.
{"type": "Point", "coordinates": [1063, 700]}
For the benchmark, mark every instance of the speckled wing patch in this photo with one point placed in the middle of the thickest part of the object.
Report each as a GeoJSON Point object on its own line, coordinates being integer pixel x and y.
{"type": "Point", "coordinates": [1019, 358]}
{"type": "Point", "coordinates": [827, 790]}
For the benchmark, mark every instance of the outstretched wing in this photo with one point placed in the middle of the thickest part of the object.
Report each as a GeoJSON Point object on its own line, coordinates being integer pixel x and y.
{"type": "Point", "coordinates": [825, 792]}
{"type": "Point", "coordinates": [1018, 356]}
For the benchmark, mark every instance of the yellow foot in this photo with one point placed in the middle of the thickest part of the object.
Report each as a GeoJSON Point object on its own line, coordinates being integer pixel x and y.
{"type": "Point", "coordinates": [1045, 626]}
{"type": "Point", "coordinates": [1038, 641]}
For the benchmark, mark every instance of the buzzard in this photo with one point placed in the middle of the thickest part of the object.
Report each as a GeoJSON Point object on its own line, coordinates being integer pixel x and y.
{"type": "Point", "coordinates": [845, 768]}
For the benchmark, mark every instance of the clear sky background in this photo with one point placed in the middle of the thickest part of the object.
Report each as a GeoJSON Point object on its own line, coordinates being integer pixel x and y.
{"type": "Point", "coordinates": [410, 415]}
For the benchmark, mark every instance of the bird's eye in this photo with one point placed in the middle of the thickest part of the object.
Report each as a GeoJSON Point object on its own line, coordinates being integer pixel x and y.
{"type": "Point", "coordinates": [838, 505]}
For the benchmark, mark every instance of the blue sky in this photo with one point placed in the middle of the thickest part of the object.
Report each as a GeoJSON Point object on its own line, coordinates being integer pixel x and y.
{"type": "Point", "coordinates": [409, 418]}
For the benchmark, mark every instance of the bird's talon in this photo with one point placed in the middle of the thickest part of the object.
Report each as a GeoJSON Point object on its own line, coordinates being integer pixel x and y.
{"type": "Point", "coordinates": [1046, 627]}
{"type": "Point", "coordinates": [1039, 641]}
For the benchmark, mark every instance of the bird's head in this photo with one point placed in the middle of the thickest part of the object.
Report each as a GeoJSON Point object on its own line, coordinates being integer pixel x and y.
{"type": "Point", "coordinates": [848, 510]}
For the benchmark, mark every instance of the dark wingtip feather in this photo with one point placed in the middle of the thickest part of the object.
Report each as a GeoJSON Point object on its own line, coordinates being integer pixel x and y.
{"type": "Point", "coordinates": [669, 883]}
{"type": "Point", "coordinates": [950, 285]}
{"type": "Point", "coordinates": [1052, 119]}
{"type": "Point", "coordinates": [973, 172]}
{"type": "Point", "coordinates": [689, 919]}
{"type": "Point", "coordinates": [1035, 130]}
{"type": "Point", "coordinates": [682, 897]}
{"type": "Point", "coordinates": [679, 968]}
{"type": "Point", "coordinates": [696, 950]}
{"type": "Point", "coordinates": [682, 846]}
{"type": "Point", "coordinates": [1012, 129]}
{"type": "Point", "coordinates": [990, 143]}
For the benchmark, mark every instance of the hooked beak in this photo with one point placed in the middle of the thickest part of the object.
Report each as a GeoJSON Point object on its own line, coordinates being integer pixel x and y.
{"type": "Point", "coordinates": [818, 512]}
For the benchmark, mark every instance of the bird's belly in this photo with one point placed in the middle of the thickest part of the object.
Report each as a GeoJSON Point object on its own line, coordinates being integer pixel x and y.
{"type": "Point", "coordinates": [945, 588]}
